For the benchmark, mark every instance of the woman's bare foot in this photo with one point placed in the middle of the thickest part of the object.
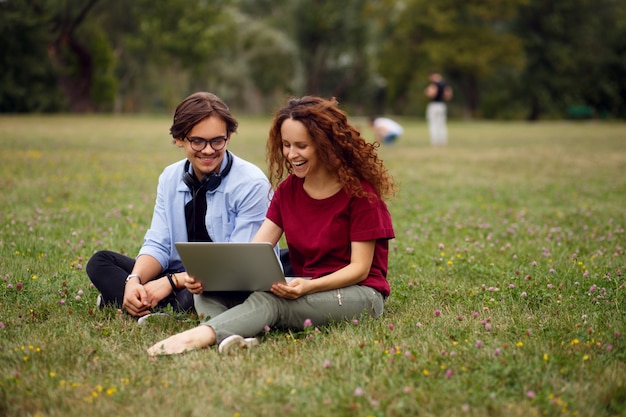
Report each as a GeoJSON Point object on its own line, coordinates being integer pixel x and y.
{"type": "Point", "coordinates": [196, 338]}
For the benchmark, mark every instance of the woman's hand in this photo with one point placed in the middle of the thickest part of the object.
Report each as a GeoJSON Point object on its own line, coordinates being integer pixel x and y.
{"type": "Point", "coordinates": [351, 274]}
{"type": "Point", "coordinates": [294, 289]}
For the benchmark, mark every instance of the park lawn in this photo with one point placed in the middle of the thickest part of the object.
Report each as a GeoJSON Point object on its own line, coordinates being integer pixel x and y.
{"type": "Point", "coordinates": [507, 274]}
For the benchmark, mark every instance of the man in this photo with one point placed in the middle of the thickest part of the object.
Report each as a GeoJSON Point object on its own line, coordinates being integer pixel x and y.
{"type": "Point", "coordinates": [385, 129]}
{"type": "Point", "coordinates": [211, 195]}
{"type": "Point", "coordinates": [438, 91]}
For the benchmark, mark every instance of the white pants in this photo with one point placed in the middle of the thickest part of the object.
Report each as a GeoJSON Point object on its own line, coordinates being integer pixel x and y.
{"type": "Point", "coordinates": [436, 116]}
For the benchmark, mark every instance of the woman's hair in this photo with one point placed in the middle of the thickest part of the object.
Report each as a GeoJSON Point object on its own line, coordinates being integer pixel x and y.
{"type": "Point", "coordinates": [339, 146]}
{"type": "Point", "coordinates": [195, 109]}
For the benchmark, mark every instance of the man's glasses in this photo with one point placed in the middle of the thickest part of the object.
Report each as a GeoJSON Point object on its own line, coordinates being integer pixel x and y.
{"type": "Point", "coordinates": [198, 144]}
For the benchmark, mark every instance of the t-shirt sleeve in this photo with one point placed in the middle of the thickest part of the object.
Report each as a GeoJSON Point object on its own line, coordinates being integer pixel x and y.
{"type": "Point", "coordinates": [370, 220]}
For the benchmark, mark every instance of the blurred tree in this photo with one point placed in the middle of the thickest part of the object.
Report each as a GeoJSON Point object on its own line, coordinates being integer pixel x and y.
{"type": "Point", "coordinates": [258, 67]}
{"type": "Point", "coordinates": [614, 79]}
{"type": "Point", "coordinates": [317, 47]}
{"type": "Point", "coordinates": [400, 54]}
{"type": "Point", "coordinates": [333, 41]}
{"type": "Point", "coordinates": [466, 41]}
{"type": "Point", "coordinates": [136, 54]}
{"type": "Point", "coordinates": [167, 49]}
{"type": "Point", "coordinates": [73, 56]}
{"type": "Point", "coordinates": [503, 57]}
{"type": "Point", "coordinates": [68, 51]}
{"type": "Point", "coordinates": [575, 55]}
{"type": "Point", "coordinates": [268, 58]}
{"type": "Point", "coordinates": [27, 78]}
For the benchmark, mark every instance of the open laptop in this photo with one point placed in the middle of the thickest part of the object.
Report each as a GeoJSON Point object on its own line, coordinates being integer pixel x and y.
{"type": "Point", "coordinates": [231, 266]}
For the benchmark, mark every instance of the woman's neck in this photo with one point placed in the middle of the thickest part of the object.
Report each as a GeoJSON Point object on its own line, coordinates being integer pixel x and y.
{"type": "Point", "coordinates": [322, 186]}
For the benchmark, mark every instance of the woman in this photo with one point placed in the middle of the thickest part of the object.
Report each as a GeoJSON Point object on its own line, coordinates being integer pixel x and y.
{"type": "Point", "coordinates": [336, 225]}
{"type": "Point", "coordinates": [210, 195]}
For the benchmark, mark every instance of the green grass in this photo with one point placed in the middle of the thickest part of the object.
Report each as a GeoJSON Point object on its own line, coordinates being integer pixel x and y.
{"type": "Point", "coordinates": [507, 273]}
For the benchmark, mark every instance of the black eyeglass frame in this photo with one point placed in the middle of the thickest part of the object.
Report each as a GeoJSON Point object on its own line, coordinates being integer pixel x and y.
{"type": "Point", "coordinates": [199, 144]}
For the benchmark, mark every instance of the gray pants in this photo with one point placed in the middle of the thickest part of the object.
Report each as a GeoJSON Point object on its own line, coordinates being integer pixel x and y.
{"type": "Point", "coordinates": [247, 314]}
{"type": "Point", "coordinates": [436, 116]}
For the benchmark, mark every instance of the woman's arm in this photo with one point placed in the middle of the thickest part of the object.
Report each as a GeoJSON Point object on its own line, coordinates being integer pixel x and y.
{"type": "Point", "coordinates": [268, 232]}
{"type": "Point", "coordinates": [353, 273]}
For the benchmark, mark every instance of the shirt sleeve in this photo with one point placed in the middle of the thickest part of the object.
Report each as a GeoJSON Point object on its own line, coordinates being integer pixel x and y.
{"type": "Point", "coordinates": [157, 239]}
{"type": "Point", "coordinates": [251, 210]}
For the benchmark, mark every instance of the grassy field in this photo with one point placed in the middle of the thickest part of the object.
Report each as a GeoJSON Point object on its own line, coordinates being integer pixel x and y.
{"type": "Point", "coordinates": [507, 273]}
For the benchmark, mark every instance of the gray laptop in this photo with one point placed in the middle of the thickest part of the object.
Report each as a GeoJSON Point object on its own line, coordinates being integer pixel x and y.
{"type": "Point", "coordinates": [231, 266]}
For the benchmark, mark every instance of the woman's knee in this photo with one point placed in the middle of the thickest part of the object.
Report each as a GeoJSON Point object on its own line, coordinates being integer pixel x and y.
{"type": "Point", "coordinates": [368, 300]}
{"type": "Point", "coordinates": [378, 304]}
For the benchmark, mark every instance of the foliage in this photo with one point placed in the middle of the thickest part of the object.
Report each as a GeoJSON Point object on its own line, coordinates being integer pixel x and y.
{"type": "Point", "coordinates": [503, 58]}
{"type": "Point", "coordinates": [507, 274]}
{"type": "Point", "coordinates": [262, 64]}
{"type": "Point", "coordinates": [64, 56]}
{"type": "Point", "coordinates": [332, 40]}
{"type": "Point", "coordinates": [104, 84]}
{"type": "Point", "coordinates": [167, 48]}
{"type": "Point", "coordinates": [571, 67]}
{"type": "Point", "coordinates": [468, 41]}
{"type": "Point", "coordinates": [27, 79]}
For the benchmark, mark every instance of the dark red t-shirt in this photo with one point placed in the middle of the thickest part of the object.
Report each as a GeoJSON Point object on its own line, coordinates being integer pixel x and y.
{"type": "Point", "coordinates": [319, 232]}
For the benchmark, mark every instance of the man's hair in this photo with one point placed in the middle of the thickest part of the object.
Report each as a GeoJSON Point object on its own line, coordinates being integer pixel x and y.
{"type": "Point", "coordinates": [198, 107]}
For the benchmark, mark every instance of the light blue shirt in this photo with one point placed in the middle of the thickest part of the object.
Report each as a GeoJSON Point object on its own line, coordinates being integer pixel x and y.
{"type": "Point", "coordinates": [235, 210]}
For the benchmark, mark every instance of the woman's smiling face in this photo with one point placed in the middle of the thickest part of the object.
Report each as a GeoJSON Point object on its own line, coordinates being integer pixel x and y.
{"type": "Point", "coordinates": [299, 149]}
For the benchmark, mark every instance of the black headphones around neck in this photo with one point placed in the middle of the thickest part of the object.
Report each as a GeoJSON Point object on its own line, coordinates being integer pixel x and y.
{"type": "Point", "coordinates": [210, 181]}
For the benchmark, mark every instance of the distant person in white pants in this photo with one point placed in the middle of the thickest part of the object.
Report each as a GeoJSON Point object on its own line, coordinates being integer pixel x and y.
{"type": "Point", "coordinates": [438, 91]}
{"type": "Point", "coordinates": [386, 130]}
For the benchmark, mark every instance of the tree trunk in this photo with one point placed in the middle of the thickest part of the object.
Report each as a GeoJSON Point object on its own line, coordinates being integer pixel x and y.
{"type": "Point", "coordinates": [75, 73]}
{"type": "Point", "coordinates": [74, 81]}
{"type": "Point", "coordinates": [533, 114]}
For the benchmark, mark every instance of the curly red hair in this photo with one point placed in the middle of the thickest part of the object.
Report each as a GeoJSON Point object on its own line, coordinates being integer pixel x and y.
{"type": "Point", "coordinates": [339, 146]}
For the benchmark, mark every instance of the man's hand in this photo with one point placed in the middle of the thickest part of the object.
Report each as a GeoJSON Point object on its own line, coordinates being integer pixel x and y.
{"type": "Point", "coordinates": [157, 290]}
{"type": "Point", "coordinates": [136, 301]}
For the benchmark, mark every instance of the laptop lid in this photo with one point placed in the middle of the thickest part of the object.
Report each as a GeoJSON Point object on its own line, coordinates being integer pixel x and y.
{"type": "Point", "coordinates": [231, 266]}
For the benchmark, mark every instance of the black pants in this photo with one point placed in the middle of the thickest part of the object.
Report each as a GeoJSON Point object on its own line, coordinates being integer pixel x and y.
{"type": "Point", "coordinates": [108, 271]}
{"type": "Point", "coordinates": [284, 259]}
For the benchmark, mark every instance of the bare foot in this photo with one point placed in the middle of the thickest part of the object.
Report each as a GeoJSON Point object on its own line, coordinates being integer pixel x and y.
{"type": "Point", "coordinates": [196, 338]}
